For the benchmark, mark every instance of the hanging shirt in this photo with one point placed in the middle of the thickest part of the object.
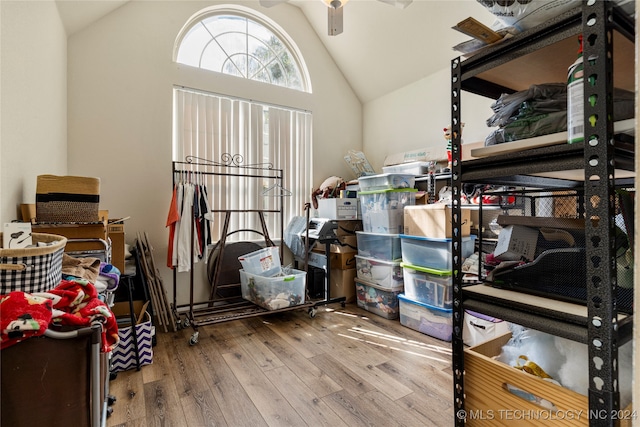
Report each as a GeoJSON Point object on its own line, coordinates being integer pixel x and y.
{"type": "Point", "coordinates": [184, 231]}
{"type": "Point", "coordinates": [172, 219]}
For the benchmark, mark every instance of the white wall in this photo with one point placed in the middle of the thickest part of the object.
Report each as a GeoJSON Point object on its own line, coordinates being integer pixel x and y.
{"type": "Point", "coordinates": [33, 98]}
{"type": "Point", "coordinates": [414, 116]}
{"type": "Point", "coordinates": [121, 76]}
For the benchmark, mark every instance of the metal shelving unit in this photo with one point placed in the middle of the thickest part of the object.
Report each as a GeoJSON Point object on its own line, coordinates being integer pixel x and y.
{"type": "Point", "coordinates": [608, 35]}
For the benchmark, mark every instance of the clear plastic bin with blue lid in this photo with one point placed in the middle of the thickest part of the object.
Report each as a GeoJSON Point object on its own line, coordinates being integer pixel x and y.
{"type": "Point", "coordinates": [432, 253]}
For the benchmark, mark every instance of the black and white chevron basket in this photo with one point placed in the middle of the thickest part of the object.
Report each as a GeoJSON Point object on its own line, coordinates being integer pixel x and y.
{"type": "Point", "coordinates": [123, 357]}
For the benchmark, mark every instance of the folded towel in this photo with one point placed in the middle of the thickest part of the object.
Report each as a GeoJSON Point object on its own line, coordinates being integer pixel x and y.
{"type": "Point", "coordinates": [110, 275]}
{"type": "Point", "coordinates": [82, 268]}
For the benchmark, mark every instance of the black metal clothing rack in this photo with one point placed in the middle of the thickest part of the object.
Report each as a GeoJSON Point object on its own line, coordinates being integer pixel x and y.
{"type": "Point", "coordinates": [220, 309]}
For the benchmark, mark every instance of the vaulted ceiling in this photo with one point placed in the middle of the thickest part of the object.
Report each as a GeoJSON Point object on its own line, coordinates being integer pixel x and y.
{"type": "Point", "coordinates": [381, 49]}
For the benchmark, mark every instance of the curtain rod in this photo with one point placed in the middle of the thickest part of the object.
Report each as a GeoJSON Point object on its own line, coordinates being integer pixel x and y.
{"type": "Point", "coordinates": [268, 104]}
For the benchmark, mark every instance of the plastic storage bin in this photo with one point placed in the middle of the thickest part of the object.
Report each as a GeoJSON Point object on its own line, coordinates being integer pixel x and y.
{"type": "Point", "coordinates": [413, 168]}
{"type": "Point", "coordinates": [378, 300]}
{"type": "Point", "coordinates": [383, 210]}
{"type": "Point", "coordinates": [264, 262]}
{"type": "Point", "coordinates": [432, 253]}
{"type": "Point", "coordinates": [386, 181]}
{"type": "Point", "coordinates": [428, 285]}
{"type": "Point", "coordinates": [387, 274]}
{"type": "Point", "coordinates": [433, 321]}
{"type": "Point", "coordinates": [385, 247]}
{"type": "Point", "coordinates": [273, 293]}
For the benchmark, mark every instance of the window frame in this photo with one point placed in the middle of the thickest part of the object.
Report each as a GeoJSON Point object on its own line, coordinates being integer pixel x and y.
{"type": "Point", "coordinates": [255, 16]}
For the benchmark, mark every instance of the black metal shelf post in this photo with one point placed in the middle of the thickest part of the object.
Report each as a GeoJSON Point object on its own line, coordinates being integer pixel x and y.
{"type": "Point", "coordinates": [600, 210]}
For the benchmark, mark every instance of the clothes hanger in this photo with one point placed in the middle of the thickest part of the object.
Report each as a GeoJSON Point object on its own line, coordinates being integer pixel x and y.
{"type": "Point", "coordinates": [283, 192]}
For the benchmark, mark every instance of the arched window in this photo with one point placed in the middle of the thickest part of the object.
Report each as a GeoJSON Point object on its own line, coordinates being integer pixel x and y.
{"type": "Point", "coordinates": [238, 41]}
{"type": "Point", "coordinates": [243, 44]}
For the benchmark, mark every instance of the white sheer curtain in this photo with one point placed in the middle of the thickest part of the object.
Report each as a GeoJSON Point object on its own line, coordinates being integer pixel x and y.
{"type": "Point", "coordinates": [208, 126]}
{"type": "Point", "coordinates": [289, 144]}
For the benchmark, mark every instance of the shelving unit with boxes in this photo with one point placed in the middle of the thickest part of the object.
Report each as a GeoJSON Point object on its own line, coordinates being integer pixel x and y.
{"type": "Point", "coordinates": [596, 168]}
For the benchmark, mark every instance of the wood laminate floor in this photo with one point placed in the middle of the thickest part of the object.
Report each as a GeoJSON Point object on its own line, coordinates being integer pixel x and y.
{"type": "Point", "coordinates": [345, 367]}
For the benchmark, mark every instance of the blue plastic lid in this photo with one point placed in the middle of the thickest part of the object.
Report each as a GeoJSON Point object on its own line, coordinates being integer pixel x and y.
{"type": "Point", "coordinates": [433, 239]}
{"type": "Point", "coordinates": [430, 307]}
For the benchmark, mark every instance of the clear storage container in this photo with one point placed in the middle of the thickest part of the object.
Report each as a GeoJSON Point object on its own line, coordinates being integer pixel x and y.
{"type": "Point", "coordinates": [263, 262]}
{"type": "Point", "coordinates": [385, 247]}
{"type": "Point", "coordinates": [378, 300]}
{"type": "Point", "coordinates": [273, 293]}
{"type": "Point", "coordinates": [428, 285]}
{"type": "Point", "coordinates": [383, 210]}
{"type": "Point", "coordinates": [386, 181]}
{"type": "Point", "coordinates": [432, 253]}
{"type": "Point", "coordinates": [414, 168]}
{"type": "Point", "coordinates": [387, 274]}
{"type": "Point", "coordinates": [433, 321]}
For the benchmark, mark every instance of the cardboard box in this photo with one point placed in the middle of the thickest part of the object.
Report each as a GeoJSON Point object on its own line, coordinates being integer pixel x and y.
{"type": "Point", "coordinates": [487, 383]}
{"type": "Point", "coordinates": [345, 244]}
{"type": "Point", "coordinates": [348, 227]}
{"type": "Point", "coordinates": [102, 230]}
{"type": "Point", "coordinates": [343, 284]}
{"type": "Point", "coordinates": [516, 242]}
{"type": "Point", "coordinates": [116, 234]}
{"type": "Point", "coordinates": [342, 280]}
{"type": "Point", "coordinates": [340, 209]}
{"type": "Point", "coordinates": [343, 260]}
{"type": "Point", "coordinates": [433, 221]}
{"type": "Point", "coordinates": [74, 231]}
{"type": "Point", "coordinates": [339, 260]}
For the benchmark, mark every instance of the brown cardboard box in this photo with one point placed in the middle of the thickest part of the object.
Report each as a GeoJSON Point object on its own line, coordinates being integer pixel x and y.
{"type": "Point", "coordinates": [121, 311]}
{"type": "Point", "coordinates": [433, 221]}
{"type": "Point", "coordinates": [103, 231]}
{"type": "Point", "coordinates": [343, 284]}
{"type": "Point", "coordinates": [75, 233]}
{"type": "Point", "coordinates": [346, 244]}
{"type": "Point", "coordinates": [343, 260]}
{"type": "Point", "coordinates": [340, 260]}
{"type": "Point", "coordinates": [348, 228]}
{"type": "Point", "coordinates": [116, 234]}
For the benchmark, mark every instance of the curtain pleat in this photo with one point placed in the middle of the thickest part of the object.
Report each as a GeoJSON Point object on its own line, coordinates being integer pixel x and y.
{"type": "Point", "coordinates": [208, 126]}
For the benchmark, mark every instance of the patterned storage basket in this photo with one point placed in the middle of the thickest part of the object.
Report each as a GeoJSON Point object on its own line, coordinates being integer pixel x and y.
{"type": "Point", "coordinates": [67, 199]}
{"type": "Point", "coordinates": [123, 357]}
{"type": "Point", "coordinates": [36, 269]}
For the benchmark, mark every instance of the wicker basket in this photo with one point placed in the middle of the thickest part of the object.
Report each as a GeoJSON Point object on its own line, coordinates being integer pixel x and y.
{"type": "Point", "coordinates": [36, 269]}
{"type": "Point", "coordinates": [67, 199]}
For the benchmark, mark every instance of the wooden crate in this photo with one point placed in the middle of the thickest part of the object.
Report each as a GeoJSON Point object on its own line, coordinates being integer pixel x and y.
{"type": "Point", "coordinates": [489, 403]}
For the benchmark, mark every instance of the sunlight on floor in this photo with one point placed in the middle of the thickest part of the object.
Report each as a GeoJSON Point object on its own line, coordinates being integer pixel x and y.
{"type": "Point", "coordinates": [393, 342]}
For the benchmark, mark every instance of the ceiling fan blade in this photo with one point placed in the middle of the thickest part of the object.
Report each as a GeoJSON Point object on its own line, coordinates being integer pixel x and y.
{"type": "Point", "coordinates": [400, 4]}
{"type": "Point", "coordinates": [269, 3]}
{"type": "Point", "coordinates": [335, 20]}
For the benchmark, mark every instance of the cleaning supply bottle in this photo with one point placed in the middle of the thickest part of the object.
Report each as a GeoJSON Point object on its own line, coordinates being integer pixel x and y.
{"type": "Point", "coordinates": [575, 99]}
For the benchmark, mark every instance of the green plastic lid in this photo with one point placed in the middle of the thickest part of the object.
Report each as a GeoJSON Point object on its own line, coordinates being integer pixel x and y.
{"type": "Point", "coordinates": [427, 270]}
